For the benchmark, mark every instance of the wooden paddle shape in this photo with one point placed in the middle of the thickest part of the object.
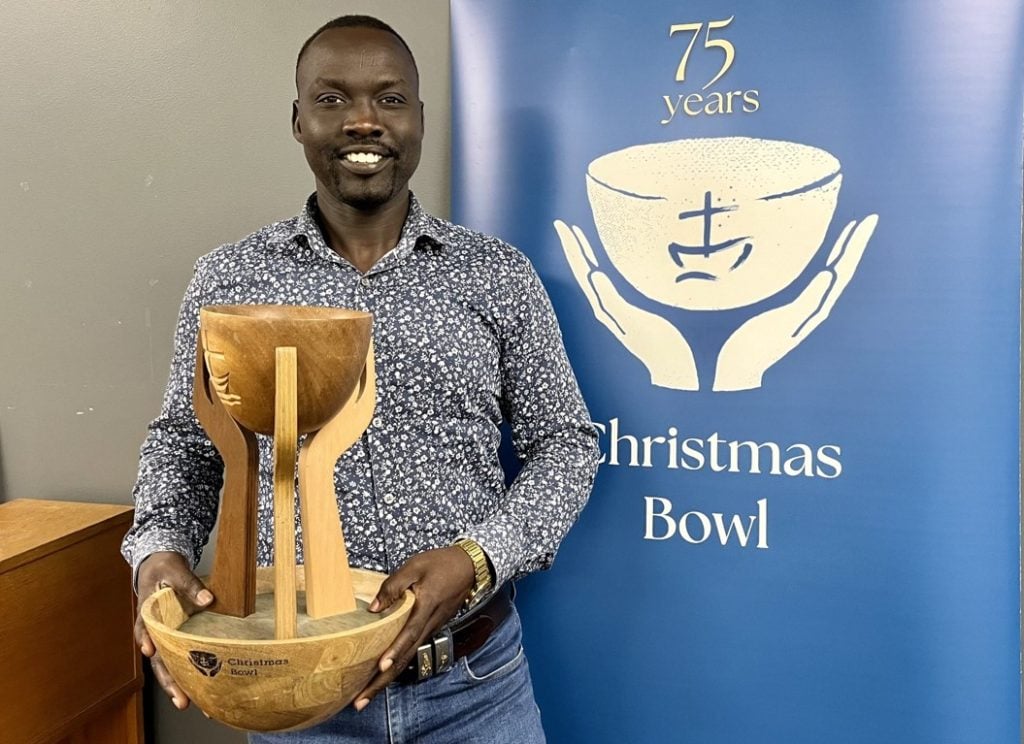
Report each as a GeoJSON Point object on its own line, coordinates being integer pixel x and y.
{"type": "Point", "coordinates": [285, 441]}
{"type": "Point", "coordinates": [233, 577]}
{"type": "Point", "coordinates": [328, 578]}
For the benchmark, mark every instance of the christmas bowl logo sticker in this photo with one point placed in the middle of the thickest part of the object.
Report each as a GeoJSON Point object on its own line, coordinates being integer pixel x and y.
{"type": "Point", "coordinates": [714, 224]}
{"type": "Point", "coordinates": [206, 663]}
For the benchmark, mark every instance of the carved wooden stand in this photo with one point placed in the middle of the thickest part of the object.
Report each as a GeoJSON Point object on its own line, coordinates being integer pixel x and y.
{"type": "Point", "coordinates": [285, 371]}
{"type": "Point", "coordinates": [328, 578]}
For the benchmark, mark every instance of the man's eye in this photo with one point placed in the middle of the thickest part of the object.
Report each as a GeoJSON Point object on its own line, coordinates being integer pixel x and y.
{"type": "Point", "coordinates": [329, 98]}
{"type": "Point", "coordinates": [392, 100]}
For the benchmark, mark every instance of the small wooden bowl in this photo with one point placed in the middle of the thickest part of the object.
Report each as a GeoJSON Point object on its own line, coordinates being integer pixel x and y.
{"type": "Point", "coordinates": [239, 343]}
{"type": "Point", "coordinates": [271, 685]}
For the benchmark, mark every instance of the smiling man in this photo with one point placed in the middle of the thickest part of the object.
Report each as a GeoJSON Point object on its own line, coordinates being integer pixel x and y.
{"type": "Point", "coordinates": [465, 338]}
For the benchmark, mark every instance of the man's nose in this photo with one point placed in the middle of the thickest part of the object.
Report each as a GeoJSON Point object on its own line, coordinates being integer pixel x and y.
{"type": "Point", "coordinates": [362, 121]}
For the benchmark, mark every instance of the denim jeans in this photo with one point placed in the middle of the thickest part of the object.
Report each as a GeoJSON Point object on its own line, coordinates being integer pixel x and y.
{"type": "Point", "coordinates": [486, 698]}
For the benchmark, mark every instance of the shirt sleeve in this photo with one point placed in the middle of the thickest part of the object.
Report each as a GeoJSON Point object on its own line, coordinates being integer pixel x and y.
{"type": "Point", "coordinates": [180, 472]}
{"type": "Point", "coordinates": [551, 431]}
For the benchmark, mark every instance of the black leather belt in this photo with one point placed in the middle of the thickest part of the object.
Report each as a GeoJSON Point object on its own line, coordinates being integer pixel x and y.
{"type": "Point", "coordinates": [464, 636]}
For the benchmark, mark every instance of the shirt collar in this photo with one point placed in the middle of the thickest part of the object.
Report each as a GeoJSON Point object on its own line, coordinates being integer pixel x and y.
{"type": "Point", "coordinates": [421, 230]}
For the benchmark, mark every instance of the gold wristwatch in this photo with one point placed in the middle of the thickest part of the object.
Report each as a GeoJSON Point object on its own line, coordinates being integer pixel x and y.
{"type": "Point", "coordinates": [484, 581]}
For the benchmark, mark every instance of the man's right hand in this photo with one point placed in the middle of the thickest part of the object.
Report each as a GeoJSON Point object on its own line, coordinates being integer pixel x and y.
{"type": "Point", "coordinates": [157, 571]}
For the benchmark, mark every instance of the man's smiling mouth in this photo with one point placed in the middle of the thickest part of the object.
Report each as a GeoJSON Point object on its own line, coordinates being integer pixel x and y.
{"type": "Point", "coordinates": [365, 161]}
{"type": "Point", "coordinates": [367, 158]}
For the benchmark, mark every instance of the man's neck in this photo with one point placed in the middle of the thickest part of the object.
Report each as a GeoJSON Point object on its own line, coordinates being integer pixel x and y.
{"type": "Point", "coordinates": [362, 236]}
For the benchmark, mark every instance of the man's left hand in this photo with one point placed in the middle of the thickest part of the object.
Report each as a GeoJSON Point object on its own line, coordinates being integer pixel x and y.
{"type": "Point", "coordinates": [441, 579]}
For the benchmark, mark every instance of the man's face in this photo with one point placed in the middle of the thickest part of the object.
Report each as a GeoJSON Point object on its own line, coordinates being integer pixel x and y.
{"type": "Point", "coordinates": [358, 116]}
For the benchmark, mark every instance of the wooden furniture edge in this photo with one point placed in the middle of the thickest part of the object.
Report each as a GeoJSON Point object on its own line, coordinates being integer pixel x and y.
{"type": "Point", "coordinates": [67, 729]}
{"type": "Point", "coordinates": [124, 514]}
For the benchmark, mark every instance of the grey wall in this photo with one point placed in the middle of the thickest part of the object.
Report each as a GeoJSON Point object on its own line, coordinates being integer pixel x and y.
{"type": "Point", "coordinates": [134, 137]}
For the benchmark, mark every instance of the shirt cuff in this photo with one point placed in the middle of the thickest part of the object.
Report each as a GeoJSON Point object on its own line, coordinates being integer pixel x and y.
{"type": "Point", "coordinates": [156, 541]}
{"type": "Point", "coordinates": [499, 543]}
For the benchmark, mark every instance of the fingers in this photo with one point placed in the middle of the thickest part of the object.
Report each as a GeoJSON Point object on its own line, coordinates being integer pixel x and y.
{"type": "Point", "coordinates": [588, 250]}
{"type": "Point", "coordinates": [392, 588]}
{"type": "Point", "coordinates": [158, 571]}
{"type": "Point", "coordinates": [853, 246]}
{"type": "Point", "coordinates": [142, 639]}
{"type": "Point", "coordinates": [583, 263]}
{"type": "Point", "coordinates": [416, 626]}
{"type": "Point", "coordinates": [775, 333]}
{"type": "Point", "coordinates": [440, 579]}
{"type": "Point", "coordinates": [842, 264]}
{"type": "Point", "coordinates": [171, 569]}
{"type": "Point", "coordinates": [840, 244]}
{"type": "Point", "coordinates": [580, 263]}
{"type": "Point", "coordinates": [187, 585]}
{"type": "Point", "coordinates": [196, 592]}
{"type": "Point", "coordinates": [616, 309]}
{"type": "Point", "coordinates": [167, 683]}
{"type": "Point", "coordinates": [605, 300]}
{"type": "Point", "coordinates": [764, 339]}
{"type": "Point", "coordinates": [416, 632]}
{"type": "Point", "coordinates": [416, 629]}
{"type": "Point", "coordinates": [807, 311]}
{"type": "Point", "coordinates": [850, 244]}
{"type": "Point", "coordinates": [621, 318]}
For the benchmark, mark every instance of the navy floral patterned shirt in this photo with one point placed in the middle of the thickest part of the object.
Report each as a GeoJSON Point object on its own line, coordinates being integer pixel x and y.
{"type": "Point", "coordinates": [465, 337]}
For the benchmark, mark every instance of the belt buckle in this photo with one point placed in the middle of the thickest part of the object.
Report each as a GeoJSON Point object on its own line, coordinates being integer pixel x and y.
{"type": "Point", "coordinates": [435, 656]}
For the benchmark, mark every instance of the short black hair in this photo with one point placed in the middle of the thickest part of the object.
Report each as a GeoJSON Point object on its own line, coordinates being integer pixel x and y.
{"type": "Point", "coordinates": [353, 21]}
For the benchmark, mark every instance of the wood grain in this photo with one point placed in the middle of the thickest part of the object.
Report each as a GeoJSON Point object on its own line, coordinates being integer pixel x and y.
{"type": "Point", "coordinates": [285, 443]}
{"type": "Point", "coordinates": [274, 685]}
{"type": "Point", "coordinates": [234, 398]}
{"type": "Point", "coordinates": [329, 589]}
{"type": "Point", "coordinates": [239, 342]}
{"type": "Point", "coordinates": [66, 644]}
{"type": "Point", "coordinates": [232, 577]}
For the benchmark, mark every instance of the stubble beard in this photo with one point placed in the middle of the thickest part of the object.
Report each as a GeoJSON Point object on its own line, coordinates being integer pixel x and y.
{"type": "Point", "coordinates": [365, 193]}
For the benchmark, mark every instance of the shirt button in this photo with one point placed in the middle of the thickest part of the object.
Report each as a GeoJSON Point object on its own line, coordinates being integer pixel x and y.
{"type": "Point", "coordinates": [389, 498]}
{"type": "Point", "coordinates": [365, 281]}
{"type": "Point", "coordinates": [376, 422]}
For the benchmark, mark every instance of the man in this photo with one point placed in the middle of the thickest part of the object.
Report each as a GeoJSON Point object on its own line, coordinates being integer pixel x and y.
{"type": "Point", "coordinates": [464, 337]}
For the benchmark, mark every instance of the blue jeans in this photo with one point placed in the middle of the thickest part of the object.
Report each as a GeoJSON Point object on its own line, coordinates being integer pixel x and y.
{"type": "Point", "coordinates": [486, 698]}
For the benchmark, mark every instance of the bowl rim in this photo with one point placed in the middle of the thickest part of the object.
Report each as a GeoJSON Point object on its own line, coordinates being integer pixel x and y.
{"type": "Point", "coordinates": [830, 174]}
{"type": "Point", "coordinates": [303, 313]}
{"type": "Point", "coordinates": [403, 607]}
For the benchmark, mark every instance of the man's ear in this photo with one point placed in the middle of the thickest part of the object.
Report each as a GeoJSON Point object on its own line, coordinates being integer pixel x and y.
{"type": "Point", "coordinates": [296, 126]}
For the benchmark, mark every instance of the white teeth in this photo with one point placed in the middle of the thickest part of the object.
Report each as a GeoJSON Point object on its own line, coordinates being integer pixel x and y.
{"type": "Point", "coordinates": [370, 158]}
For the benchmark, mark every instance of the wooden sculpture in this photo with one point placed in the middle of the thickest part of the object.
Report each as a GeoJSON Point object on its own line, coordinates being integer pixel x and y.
{"type": "Point", "coordinates": [249, 662]}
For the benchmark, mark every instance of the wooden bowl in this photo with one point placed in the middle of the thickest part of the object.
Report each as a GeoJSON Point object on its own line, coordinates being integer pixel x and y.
{"type": "Point", "coordinates": [238, 345]}
{"type": "Point", "coordinates": [270, 685]}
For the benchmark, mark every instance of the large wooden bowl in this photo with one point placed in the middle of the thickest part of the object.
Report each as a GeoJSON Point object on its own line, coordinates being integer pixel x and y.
{"type": "Point", "coordinates": [239, 343]}
{"type": "Point", "coordinates": [271, 685]}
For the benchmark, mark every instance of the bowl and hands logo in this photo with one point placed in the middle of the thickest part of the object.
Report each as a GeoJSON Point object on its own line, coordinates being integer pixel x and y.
{"type": "Point", "coordinates": [714, 224]}
{"type": "Point", "coordinates": [205, 663]}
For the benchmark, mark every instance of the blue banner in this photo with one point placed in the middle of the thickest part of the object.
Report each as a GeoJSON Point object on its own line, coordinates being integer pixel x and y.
{"type": "Point", "coordinates": [783, 240]}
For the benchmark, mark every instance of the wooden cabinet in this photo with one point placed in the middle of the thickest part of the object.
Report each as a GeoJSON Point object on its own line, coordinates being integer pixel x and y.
{"type": "Point", "coordinates": [69, 670]}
